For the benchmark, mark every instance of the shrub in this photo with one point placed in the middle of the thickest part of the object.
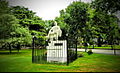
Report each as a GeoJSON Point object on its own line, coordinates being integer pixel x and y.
{"type": "Point", "coordinates": [90, 52]}
{"type": "Point", "coordinates": [80, 55]}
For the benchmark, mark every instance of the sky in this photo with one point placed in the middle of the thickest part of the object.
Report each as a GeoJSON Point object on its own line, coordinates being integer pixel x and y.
{"type": "Point", "coordinates": [46, 9]}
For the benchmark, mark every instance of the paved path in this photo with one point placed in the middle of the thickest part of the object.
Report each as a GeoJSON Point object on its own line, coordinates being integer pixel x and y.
{"type": "Point", "coordinates": [102, 51]}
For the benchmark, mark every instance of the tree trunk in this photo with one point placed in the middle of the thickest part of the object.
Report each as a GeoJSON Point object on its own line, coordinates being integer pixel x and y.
{"type": "Point", "coordinates": [112, 45]}
{"type": "Point", "coordinates": [93, 46]}
{"type": "Point", "coordinates": [10, 48]}
{"type": "Point", "coordinates": [85, 48]}
{"type": "Point", "coordinates": [99, 42]}
{"type": "Point", "coordinates": [114, 52]}
{"type": "Point", "coordinates": [18, 47]}
{"type": "Point", "coordinates": [114, 49]}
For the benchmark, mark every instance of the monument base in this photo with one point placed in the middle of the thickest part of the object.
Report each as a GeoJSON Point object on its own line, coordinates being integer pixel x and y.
{"type": "Point", "coordinates": [57, 51]}
{"type": "Point", "coordinates": [57, 59]}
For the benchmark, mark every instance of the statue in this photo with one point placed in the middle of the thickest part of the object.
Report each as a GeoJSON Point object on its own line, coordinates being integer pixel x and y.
{"type": "Point", "coordinates": [53, 54]}
{"type": "Point", "coordinates": [54, 32]}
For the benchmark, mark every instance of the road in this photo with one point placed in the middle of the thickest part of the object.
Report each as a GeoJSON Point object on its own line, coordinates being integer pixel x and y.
{"type": "Point", "coordinates": [102, 51]}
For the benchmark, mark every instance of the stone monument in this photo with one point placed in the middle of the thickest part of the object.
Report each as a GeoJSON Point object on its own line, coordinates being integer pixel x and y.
{"type": "Point", "coordinates": [56, 49]}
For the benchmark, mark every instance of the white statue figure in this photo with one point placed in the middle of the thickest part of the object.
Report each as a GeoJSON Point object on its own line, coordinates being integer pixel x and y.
{"type": "Point", "coordinates": [53, 54]}
{"type": "Point", "coordinates": [54, 32]}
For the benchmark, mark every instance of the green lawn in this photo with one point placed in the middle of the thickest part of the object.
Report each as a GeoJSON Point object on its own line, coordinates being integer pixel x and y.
{"type": "Point", "coordinates": [21, 62]}
{"type": "Point", "coordinates": [103, 47]}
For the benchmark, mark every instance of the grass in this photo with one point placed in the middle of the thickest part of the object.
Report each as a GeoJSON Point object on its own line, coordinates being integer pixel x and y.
{"type": "Point", "coordinates": [103, 47]}
{"type": "Point", "coordinates": [21, 62]}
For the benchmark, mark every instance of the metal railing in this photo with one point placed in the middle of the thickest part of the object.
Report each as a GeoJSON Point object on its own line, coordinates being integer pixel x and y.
{"type": "Point", "coordinates": [60, 52]}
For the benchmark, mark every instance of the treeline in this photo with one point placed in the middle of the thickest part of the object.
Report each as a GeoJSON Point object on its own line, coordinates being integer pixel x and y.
{"type": "Point", "coordinates": [18, 25]}
{"type": "Point", "coordinates": [93, 23]}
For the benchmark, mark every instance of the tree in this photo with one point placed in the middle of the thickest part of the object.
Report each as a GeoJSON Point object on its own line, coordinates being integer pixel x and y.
{"type": "Point", "coordinates": [49, 24]}
{"type": "Point", "coordinates": [77, 17]}
{"type": "Point", "coordinates": [4, 7]}
{"type": "Point", "coordinates": [11, 32]}
{"type": "Point", "coordinates": [64, 26]}
{"type": "Point", "coordinates": [113, 35]}
{"type": "Point", "coordinates": [105, 19]}
{"type": "Point", "coordinates": [78, 21]}
{"type": "Point", "coordinates": [108, 6]}
{"type": "Point", "coordinates": [99, 22]}
{"type": "Point", "coordinates": [23, 14]}
{"type": "Point", "coordinates": [27, 18]}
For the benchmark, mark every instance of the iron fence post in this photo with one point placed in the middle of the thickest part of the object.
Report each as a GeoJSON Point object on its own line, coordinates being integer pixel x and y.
{"type": "Point", "coordinates": [76, 48]}
{"type": "Point", "coordinates": [33, 49]}
{"type": "Point", "coordinates": [67, 50]}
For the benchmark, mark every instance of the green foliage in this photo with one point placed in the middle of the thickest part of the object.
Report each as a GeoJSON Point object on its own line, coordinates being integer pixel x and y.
{"type": "Point", "coordinates": [25, 36]}
{"type": "Point", "coordinates": [113, 35]}
{"type": "Point", "coordinates": [27, 18]}
{"type": "Point", "coordinates": [64, 27]}
{"type": "Point", "coordinates": [8, 24]}
{"type": "Point", "coordinates": [22, 13]}
{"type": "Point", "coordinates": [4, 7]}
{"type": "Point", "coordinates": [39, 37]}
{"type": "Point", "coordinates": [49, 24]}
{"type": "Point", "coordinates": [81, 21]}
{"type": "Point", "coordinates": [77, 21]}
{"type": "Point", "coordinates": [77, 17]}
{"type": "Point", "coordinates": [90, 52]}
{"type": "Point", "coordinates": [11, 32]}
{"type": "Point", "coordinates": [103, 20]}
{"type": "Point", "coordinates": [109, 6]}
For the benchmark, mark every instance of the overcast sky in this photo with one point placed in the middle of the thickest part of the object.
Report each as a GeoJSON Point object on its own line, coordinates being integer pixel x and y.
{"type": "Point", "coordinates": [46, 9]}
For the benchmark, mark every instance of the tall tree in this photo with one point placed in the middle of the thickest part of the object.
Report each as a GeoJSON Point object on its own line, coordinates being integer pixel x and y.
{"type": "Point", "coordinates": [23, 14]}
{"type": "Point", "coordinates": [114, 32]}
{"type": "Point", "coordinates": [77, 18]}
{"type": "Point", "coordinates": [4, 9]}
{"type": "Point", "coordinates": [27, 18]}
{"type": "Point", "coordinates": [64, 26]}
{"type": "Point", "coordinates": [105, 19]}
{"type": "Point", "coordinates": [108, 6]}
{"type": "Point", "coordinates": [11, 32]}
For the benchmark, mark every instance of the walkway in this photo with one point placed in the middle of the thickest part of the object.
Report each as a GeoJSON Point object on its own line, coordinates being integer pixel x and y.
{"type": "Point", "coordinates": [102, 51]}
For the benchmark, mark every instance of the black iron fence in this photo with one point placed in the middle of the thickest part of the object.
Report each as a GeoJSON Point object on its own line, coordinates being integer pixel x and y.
{"type": "Point", "coordinates": [58, 52]}
{"type": "Point", "coordinates": [72, 50]}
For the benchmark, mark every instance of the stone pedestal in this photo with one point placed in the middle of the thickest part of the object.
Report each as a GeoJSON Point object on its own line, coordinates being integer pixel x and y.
{"type": "Point", "coordinates": [57, 51]}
